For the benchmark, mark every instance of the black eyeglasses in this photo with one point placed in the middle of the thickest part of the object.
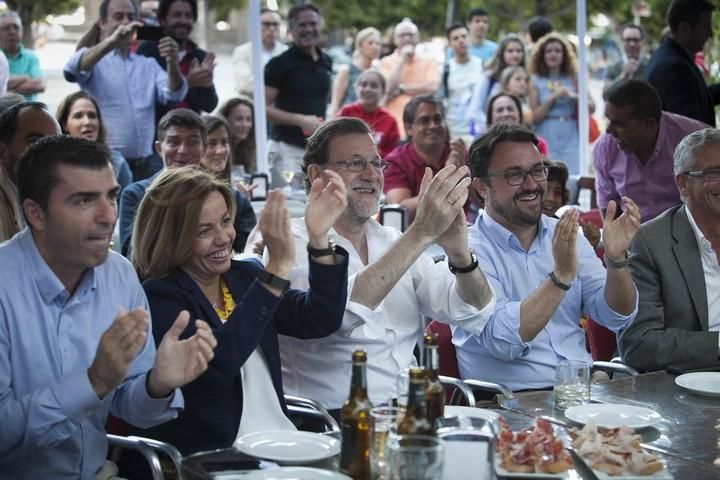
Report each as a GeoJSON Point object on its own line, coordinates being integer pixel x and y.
{"type": "Point", "coordinates": [707, 175]}
{"type": "Point", "coordinates": [426, 121]}
{"type": "Point", "coordinates": [517, 176]}
{"type": "Point", "coordinates": [360, 164]}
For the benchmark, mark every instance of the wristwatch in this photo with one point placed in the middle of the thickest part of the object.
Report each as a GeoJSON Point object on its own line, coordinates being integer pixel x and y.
{"type": "Point", "coordinates": [610, 263]}
{"type": "Point", "coordinates": [473, 265]}
{"type": "Point", "coordinates": [322, 252]}
{"type": "Point", "coordinates": [271, 279]}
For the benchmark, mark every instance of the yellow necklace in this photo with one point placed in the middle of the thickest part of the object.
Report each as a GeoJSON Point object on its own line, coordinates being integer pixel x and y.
{"type": "Point", "coordinates": [228, 302]}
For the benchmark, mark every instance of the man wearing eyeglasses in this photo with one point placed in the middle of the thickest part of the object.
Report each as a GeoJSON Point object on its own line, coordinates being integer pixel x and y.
{"type": "Point", "coordinates": [634, 157]}
{"type": "Point", "coordinates": [271, 47]}
{"type": "Point", "coordinates": [392, 283]}
{"type": "Point", "coordinates": [675, 263]}
{"type": "Point", "coordinates": [428, 146]}
{"type": "Point", "coordinates": [634, 60]}
{"type": "Point", "coordinates": [544, 273]}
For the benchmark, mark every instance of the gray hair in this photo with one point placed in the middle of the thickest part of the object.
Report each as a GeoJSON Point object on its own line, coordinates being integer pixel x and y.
{"type": "Point", "coordinates": [13, 15]}
{"type": "Point", "coordinates": [686, 151]}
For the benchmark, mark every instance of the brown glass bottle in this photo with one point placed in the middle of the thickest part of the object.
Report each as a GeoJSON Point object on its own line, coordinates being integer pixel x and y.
{"type": "Point", "coordinates": [415, 421]}
{"type": "Point", "coordinates": [355, 423]}
{"type": "Point", "coordinates": [434, 391]}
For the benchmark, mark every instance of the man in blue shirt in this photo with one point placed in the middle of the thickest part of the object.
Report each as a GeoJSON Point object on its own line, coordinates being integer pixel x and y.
{"type": "Point", "coordinates": [127, 86]}
{"type": "Point", "coordinates": [26, 77]}
{"type": "Point", "coordinates": [75, 338]}
{"type": "Point", "coordinates": [544, 273]}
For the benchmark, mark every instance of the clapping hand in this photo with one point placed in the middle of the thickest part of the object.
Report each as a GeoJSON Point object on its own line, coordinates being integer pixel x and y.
{"type": "Point", "coordinates": [619, 232]}
{"type": "Point", "coordinates": [440, 199]}
{"type": "Point", "coordinates": [200, 74]}
{"type": "Point", "coordinates": [458, 153]}
{"type": "Point", "coordinates": [274, 225]}
{"type": "Point", "coordinates": [327, 200]}
{"type": "Point", "coordinates": [564, 247]}
{"type": "Point", "coordinates": [179, 362]}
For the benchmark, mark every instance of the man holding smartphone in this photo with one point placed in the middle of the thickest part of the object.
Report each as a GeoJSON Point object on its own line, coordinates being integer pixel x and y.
{"type": "Point", "coordinates": [177, 19]}
{"type": "Point", "coordinates": [127, 101]}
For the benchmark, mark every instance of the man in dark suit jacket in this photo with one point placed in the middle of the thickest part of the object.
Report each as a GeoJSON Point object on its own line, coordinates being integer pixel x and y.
{"type": "Point", "coordinates": [672, 70]}
{"type": "Point", "coordinates": [674, 262]}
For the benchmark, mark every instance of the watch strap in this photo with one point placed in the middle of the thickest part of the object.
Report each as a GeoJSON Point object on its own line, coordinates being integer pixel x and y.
{"type": "Point", "coordinates": [274, 280]}
{"type": "Point", "coordinates": [558, 283]}
{"type": "Point", "coordinates": [473, 265]}
{"type": "Point", "coordinates": [610, 263]}
{"type": "Point", "coordinates": [322, 252]}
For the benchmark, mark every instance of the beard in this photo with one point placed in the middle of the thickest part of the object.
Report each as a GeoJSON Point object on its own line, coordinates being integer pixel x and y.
{"type": "Point", "coordinates": [513, 214]}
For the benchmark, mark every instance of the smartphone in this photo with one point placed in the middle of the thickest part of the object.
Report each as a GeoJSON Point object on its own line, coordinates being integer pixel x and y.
{"type": "Point", "coordinates": [394, 215]}
{"type": "Point", "coordinates": [260, 180]}
{"type": "Point", "coordinates": [150, 32]}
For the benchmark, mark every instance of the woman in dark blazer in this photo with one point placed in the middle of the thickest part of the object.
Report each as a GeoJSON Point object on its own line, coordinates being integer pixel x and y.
{"type": "Point", "coordinates": [182, 246]}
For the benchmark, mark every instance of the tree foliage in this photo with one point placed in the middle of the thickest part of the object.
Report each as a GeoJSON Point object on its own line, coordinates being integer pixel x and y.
{"type": "Point", "coordinates": [30, 10]}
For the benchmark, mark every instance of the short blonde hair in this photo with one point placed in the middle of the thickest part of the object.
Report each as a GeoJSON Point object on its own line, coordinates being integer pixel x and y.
{"type": "Point", "coordinates": [164, 230]}
{"type": "Point", "coordinates": [363, 35]}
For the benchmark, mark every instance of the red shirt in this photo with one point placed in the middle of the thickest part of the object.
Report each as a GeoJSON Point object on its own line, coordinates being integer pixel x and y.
{"type": "Point", "coordinates": [380, 121]}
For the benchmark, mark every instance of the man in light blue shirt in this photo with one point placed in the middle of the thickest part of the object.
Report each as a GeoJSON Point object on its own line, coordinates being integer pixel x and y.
{"type": "Point", "coordinates": [75, 340]}
{"type": "Point", "coordinates": [127, 86]}
{"type": "Point", "coordinates": [544, 273]}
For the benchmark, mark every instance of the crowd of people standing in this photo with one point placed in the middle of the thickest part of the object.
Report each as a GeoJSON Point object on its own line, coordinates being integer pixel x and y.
{"type": "Point", "coordinates": [179, 336]}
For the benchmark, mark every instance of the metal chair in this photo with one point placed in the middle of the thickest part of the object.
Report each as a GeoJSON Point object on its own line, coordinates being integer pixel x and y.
{"type": "Point", "coordinates": [615, 366]}
{"type": "Point", "coordinates": [307, 408]}
{"type": "Point", "coordinates": [490, 387]}
{"type": "Point", "coordinates": [459, 389]}
{"type": "Point", "coordinates": [149, 449]}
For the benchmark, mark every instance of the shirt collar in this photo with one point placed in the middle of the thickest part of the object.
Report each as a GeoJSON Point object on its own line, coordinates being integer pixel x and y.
{"type": "Point", "coordinates": [504, 237]}
{"type": "Point", "coordinates": [699, 236]}
{"type": "Point", "coordinates": [49, 285]}
{"type": "Point", "coordinates": [21, 52]}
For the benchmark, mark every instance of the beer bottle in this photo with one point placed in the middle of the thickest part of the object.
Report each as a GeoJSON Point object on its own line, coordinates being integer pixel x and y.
{"type": "Point", "coordinates": [355, 422]}
{"type": "Point", "coordinates": [434, 391]}
{"type": "Point", "coordinates": [415, 421]}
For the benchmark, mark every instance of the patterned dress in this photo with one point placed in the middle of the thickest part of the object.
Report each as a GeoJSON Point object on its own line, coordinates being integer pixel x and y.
{"type": "Point", "coordinates": [560, 126]}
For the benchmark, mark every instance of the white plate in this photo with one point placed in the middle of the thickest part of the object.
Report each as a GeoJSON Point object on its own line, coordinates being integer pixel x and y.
{"type": "Point", "coordinates": [294, 473]}
{"type": "Point", "coordinates": [702, 383]}
{"type": "Point", "coordinates": [611, 415]}
{"type": "Point", "coordinates": [501, 472]}
{"type": "Point", "coordinates": [473, 412]}
{"type": "Point", "coordinates": [663, 474]}
{"type": "Point", "coordinates": [288, 447]}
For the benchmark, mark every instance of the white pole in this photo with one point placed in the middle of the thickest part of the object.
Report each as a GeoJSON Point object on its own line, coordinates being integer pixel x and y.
{"type": "Point", "coordinates": [260, 120]}
{"type": "Point", "coordinates": [583, 112]}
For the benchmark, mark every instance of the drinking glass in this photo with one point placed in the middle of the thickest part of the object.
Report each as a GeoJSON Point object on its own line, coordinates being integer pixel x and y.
{"type": "Point", "coordinates": [383, 425]}
{"type": "Point", "coordinates": [414, 457]}
{"type": "Point", "coordinates": [572, 384]}
{"type": "Point", "coordinates": [237, 174]}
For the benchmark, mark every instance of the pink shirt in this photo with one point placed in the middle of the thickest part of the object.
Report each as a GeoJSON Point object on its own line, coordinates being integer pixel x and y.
{"type": "Point", "coordinates": [650, 185]}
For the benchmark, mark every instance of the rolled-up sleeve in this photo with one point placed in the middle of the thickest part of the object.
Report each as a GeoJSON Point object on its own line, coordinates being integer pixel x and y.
{"type": "Point", "coordinates": [71, 70]}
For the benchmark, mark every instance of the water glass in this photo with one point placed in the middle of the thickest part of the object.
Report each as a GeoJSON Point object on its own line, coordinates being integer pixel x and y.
{"type": "Point", "coordinates": [414, 457]}
{"type": "Point", "coordinates": [572, 384]}
{"type": "Point", "coordinates": [382, 426]}
{"type": "Point", "coordinates": [237, 174]}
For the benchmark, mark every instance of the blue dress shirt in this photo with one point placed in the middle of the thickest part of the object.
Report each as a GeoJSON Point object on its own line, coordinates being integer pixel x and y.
{"type": "Point", "coordinates": [53, 423]}
{"type": "Point", "coordinates": [498, 354]}
{"type": "Point", "coordinates": [126, 89]}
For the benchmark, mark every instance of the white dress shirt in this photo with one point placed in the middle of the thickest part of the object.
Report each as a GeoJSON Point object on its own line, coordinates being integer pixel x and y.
{"type": "Point", "coordinates": [711, 269]}
{"type": "Point", "coordinates": [320, 369]}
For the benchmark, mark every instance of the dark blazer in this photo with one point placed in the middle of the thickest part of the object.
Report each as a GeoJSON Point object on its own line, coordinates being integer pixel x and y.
{"type": "Point", "coordinates": [671, 326]}
{"type": "Point", "coordinates": [214, 401]}
{"type": "Point", "coordinates": [682, 88]}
